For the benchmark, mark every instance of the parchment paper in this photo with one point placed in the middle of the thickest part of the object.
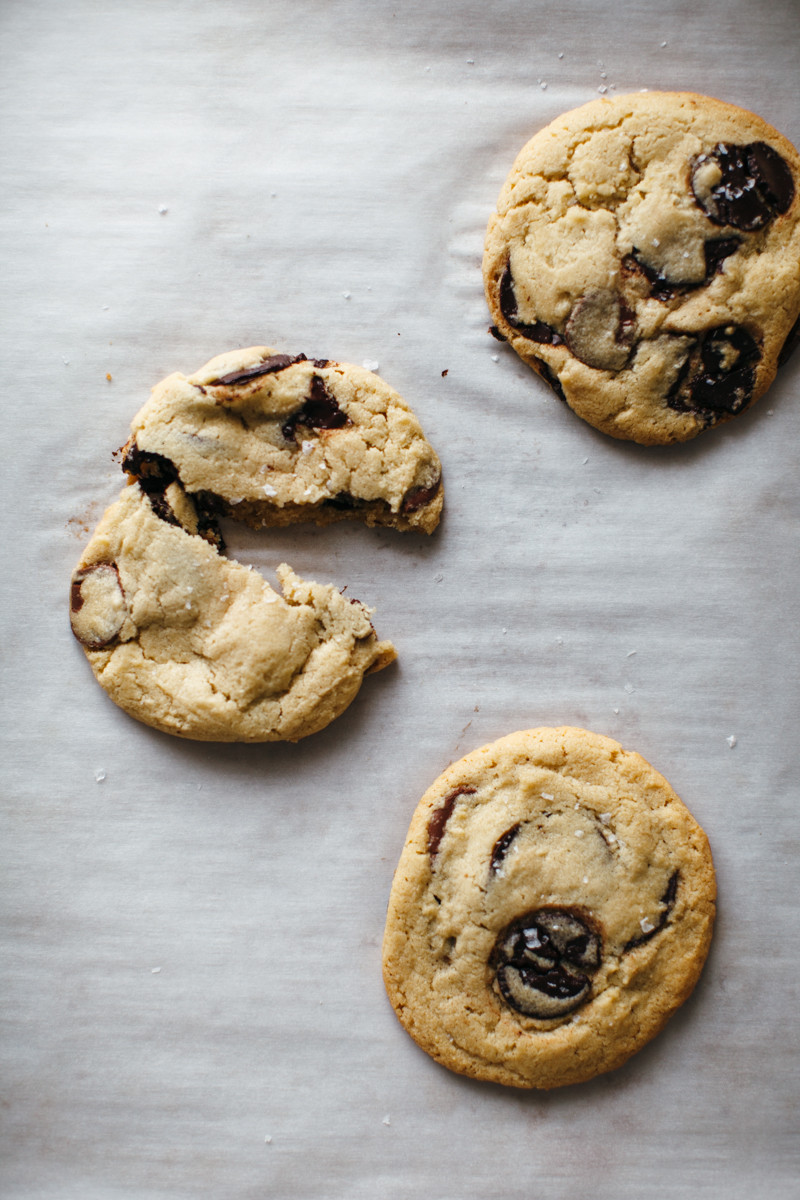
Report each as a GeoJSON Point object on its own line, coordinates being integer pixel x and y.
{"type": "Point", "coordinates": [192, 1004]}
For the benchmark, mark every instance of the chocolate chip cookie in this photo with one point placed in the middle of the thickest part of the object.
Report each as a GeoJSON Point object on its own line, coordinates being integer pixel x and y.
{"type": "Point", "coordinates": [552, 907]}
{"type": "Point", "coordinates": [195, 644]}
{"type": "Point", "coordinates": [200, 646]}
{"type": "Point", "coordinates": [277, 438]}
{"type": "Point", "coordinates": [644, 259]}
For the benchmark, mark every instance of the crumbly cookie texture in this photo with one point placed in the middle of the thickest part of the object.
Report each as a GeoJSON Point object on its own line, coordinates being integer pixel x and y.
{"type": "Point", "coordinates": [200, 646]}
{"type": "Point", "coordinates": [276, 438]}
{"type": "Point", "coordinates": [644, 259]}
{"type": "Point", "coordinates": [552, 907]}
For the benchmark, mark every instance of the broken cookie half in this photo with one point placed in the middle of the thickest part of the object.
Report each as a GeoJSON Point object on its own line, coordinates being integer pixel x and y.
{"type": "Point", "coordinates": [197, 645]}
{"type": "Point", "coordinates": [275, 439]}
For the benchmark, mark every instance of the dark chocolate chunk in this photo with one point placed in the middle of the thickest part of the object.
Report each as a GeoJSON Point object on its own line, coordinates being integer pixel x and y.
{"type": "Point", "coordinates": [439, 818]}
{"type": "Point", "coordinates": [153, 471]}
{"type": "Point", "coordinates": [267, 366]}
{"type": "Point", "coordinates": [543, 960]}
{"type": "Point", "coordinates": [719, 375]}
{"type": "Point", "coordinates": [668, 901]}
{"type": "Point", "coordinates": [535, 331]}
{"type": "Point", "coordinates": [154, 474]}
{"type": "Point", "coordinates": [550, 377]}
{"type": "Point", "coordinates": [417, 497]}
{"type": "Point", "coordinates": [715, 250]}
{"type": "Point", "coordinates": [502, 847]}
{"type": "Point", "coordinates": [343, 500]}
{"type": "Point", "coordinates": [744, 186]}
{"type": "Point", "coordinates": [320, 411]}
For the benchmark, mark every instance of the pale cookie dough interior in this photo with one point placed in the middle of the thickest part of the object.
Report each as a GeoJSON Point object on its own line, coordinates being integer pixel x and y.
{"type": "Point", "coordinates": [552, 907]}
{"type": "Point", "coordinates": [276, 439]}
{"type": "Point", "coordinates": [200, 646]}
{"type": "Point", "coordinates": [645, 261]}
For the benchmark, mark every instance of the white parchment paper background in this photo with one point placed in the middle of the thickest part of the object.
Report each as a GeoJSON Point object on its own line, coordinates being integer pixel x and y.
{"type": "Point", "coordinates": [192, 1003]}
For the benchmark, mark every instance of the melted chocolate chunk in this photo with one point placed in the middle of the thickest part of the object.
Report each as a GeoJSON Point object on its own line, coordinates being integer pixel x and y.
{"type": "Point", "coordinates": [496, 334]}
{"type": "Point", "coordinates": [320, 411]}
{"type": "Point", "coordinates": [343, 500]}
{"type": "Point", "coordinates": [744, 186]}
{"type": "Point", "coordinates": [550, 377]}
{"type": "Point", "coordinates": [536, 331]}
{"type": "Point", "coordinates": [668, 901]}
{"type": "Point", "coordinates": [439, 818]}
{"type": "Point", "coordinates": [417, 497]}
{"type": "Point", "coordinates": [502, 847]}
{"type": "Point", "coordinates": [267, 366]}
{"type": "Point", "coordinates": [154, 474]}
{"type": "Point", "coordinates": [153, 471]}
{"type": "Point", "coordinates": [719, 375]}
{"type": "Point", "coordinates": [715, 250]}
{"type": "Point", "coordinates": [543, 960]}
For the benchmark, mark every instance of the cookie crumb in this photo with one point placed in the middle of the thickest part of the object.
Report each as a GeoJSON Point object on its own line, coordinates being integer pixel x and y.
{"type": "Point", "coordinates": [267, 1139]}
{"type": "Point", "coordinates": [99, 775]}
{"type": "Point", "coordinates": [386, 1120]}
{"type": "Point", "coordinates": [162, 208]}
{"type": "Point", "coordinates": [731, 740]}
{"type": "Point", "coordinates": [155, 970]}
{"type": "Point", "coordinates": [109, 376]}
{"type": "Point", "coordinates": [371, 364]}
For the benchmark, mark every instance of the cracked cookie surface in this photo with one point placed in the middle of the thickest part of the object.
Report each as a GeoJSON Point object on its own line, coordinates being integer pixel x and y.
{"type": "Point", "coordinates": [278, 438]}
{"type": "Point", "coordinates": [552, 907]}
{"type": "Point", "coordinates": [645, 261]}
{"type": "Point", "coordinates": [200, 646]}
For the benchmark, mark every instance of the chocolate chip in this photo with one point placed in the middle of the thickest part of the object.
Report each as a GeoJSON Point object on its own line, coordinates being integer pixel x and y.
{"type": "Point", "coordinates": [153, 471]}
{"type": "Point", "coordinates": [267, 366]}
{"type": "Point", "coordinates": [719, 375]}
{"type": "Point", "coordinates": [98, 608]}
{"type": "Point", "coordinates": [790, 344]}
{"type": "Point", "coordinates": [744, 186]}
{"type": "Point", "coordinates": [536, 331]}
{"type": "Point", "coordinates": [543, 960]}
{"type": "Point", "coordinates": [667, 901]}
{"type": "Point", "coordinates": [715, 251]}
{"type": "Point", "coordinates": [600, 330]}
{"type": "Point", "coordinates": [550, 377]}
{"type": "Point", "coordinates": [502, 847]}
{"type": "Point", "coordinates": [417, 497]}
{"type": "Point", "coordinates": [320, 411]}
{"type": "Point", "coordinates": [439, 818]}
{"type": "Point", "coordinates": [343, 500]}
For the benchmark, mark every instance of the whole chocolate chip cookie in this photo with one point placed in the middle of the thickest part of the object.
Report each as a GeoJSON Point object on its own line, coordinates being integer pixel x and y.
{"type": "Point", "coordinates": [197, 645]}
{"type": "Point", "coordinates": [277, 438]}
{"type": "Point", "coordinates": [552, 907]}
{"type": "Point", "coordinates": [645, 261]}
